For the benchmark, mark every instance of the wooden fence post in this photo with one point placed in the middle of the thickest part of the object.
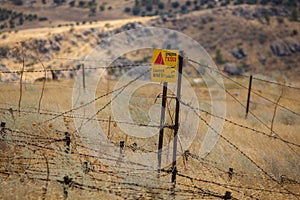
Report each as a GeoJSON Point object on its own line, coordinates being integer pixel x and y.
{"type": "Point", "coordinates": [85, 167]}
{"type": "Point", "coordinates": [227, 195]}
{"type": "Point", "coordinates": [176, 125]}
{"type": "Point", "coordinates": [108, 128]}
{"type": "Point", "coordinates": [162, 124]}
{"type": "Point", "coordinates": [68, 142]}
{"type": "Point", "coordinates": [186, 154]}
{"type": "Point", "coordinates": [230, 173]}
{"type": "Point", "coordinates": [67, 180]}
{"type": "Point", "coordinates": [2, 130]}
{"type": "Point", "coordinates": [3, 124]}
{"type": "Point", "coordinates": [83, 76]}
{"type": "Point", "coordinates": [67, 183]}
{"type": "Point", "coordinates": [249, 94]}
{"type": "Point", "coordinates": [122, 145]}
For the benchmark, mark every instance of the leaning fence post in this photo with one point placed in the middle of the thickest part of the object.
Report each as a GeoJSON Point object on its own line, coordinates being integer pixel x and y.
{"type": "Point", "coordinates": [83, 76]}
{"type": "Point", "coordinates": [67, 150]}
{"type": "Point", "coordinates": [230, 173]}
{"type": "Point", "coordinates": [67, 180]}
{"type": "Point", "coordinates": [85, 167]}
{"type": "Point", "coordinates": [249, 93]}
{"type": "Point", "coordinates": [2, 130]}
{"type": "Point", "coordinates": [68, 142]}
{"type": "Point", "coordinates": [67, 183]}
{"type": "Point", "coordinates": [85, 170]}
{"type": "Point", "coordinates": [176, 122]}
{"type": "Point", "coordinates": [122, 145]}
{"type": "Point", "coordinates": [227, 195]}
{"type": "Point", "coordinates": [3, 124]}
{"type": "Point", "coordinates": [108, 128]}
{"type": "Point", "coordinates": [186, 154]}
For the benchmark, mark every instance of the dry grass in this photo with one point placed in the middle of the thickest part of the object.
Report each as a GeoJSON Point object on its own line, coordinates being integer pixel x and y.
{"type": "Point", "coordinates": [272, 155]}
{"type": "Point", "coordinates": [23, 168]}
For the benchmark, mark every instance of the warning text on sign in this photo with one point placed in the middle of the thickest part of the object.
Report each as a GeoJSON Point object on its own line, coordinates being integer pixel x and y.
{"type": "Point", "coordinates": [164, 65]}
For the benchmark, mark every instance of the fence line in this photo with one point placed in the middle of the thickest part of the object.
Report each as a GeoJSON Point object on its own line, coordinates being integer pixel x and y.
{"type": "Point", "coordinates": [135, 65]}
{"type": "Point", "coordinates": [241, 125]}
{"type": "Point", "coordinates": [128, 66]}
{"type": "Point", "coordinates": [265, 98]}
{"type": "Point", "coordinates": [227, 186]}
{"type": "Point", "coordinates": [39, 142]}
{"type": "Point", "coordinates": [252, 114]}
{"type": "Point", "coordinates": [246, 156]}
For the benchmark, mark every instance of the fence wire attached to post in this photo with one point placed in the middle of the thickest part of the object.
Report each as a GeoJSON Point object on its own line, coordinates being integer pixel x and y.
{"type": "Point", "coordinates": [176, 126]}
{"type": "Point", "coordinates": [230, 173]}
{"type": "Point", "coordinates": [2, 130]}
{"type": "Point", "coordinates": [83, 76]}
{"type": "Point", "coordinates": [68, 142]}
{"type": "Point", "coordinates": [249, 94]}
{"type": "Point", "coordinates": [67, 183]}
{"type": "Point", "coordinates": [162, 124]}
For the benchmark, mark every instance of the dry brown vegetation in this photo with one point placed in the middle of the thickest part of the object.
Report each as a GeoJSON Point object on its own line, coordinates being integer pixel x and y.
{"type": "Point", "coordinates": [265, 163]}
{"type": "Point", "coordinates": [29, 145]}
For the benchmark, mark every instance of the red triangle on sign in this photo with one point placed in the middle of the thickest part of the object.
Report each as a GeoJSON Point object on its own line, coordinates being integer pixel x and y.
{"type": "Point", "coordinates": [159, 60]}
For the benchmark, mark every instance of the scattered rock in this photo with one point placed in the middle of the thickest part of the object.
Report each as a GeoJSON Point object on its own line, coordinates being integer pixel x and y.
{"type": "Point", "coordinates": [159, 21]}
{"type": "Point", "coordinates": [4, 51]}
{"type": "Point", "coordinates": [129, 26]}
{"type": "Point", "coordinates": [262, 59]}
{"type": "Point", "coordinates": [73, 43]}
{"type": "Point", "coordinates": [260, 12]}
{"type": "Point", "coordinates": [58, 38]}
{"type": "Point", "coordinates": [86, 32]}
{"type": "Point", "coordinates": [3, 68]}
{"type": "Point", "coordinates": [103, 43]}
{"type": "Point", "coordinates": [183, 27]}
{"type": "Point", "coordinates": [40, 44]}
{"type": "Point", "coordinates": [104, 34]}
{"type": "Point", "coordinates": [293, 45]}
{"type": "Point", "coordinates": [280, 49]}
{"type": "Point", "coordinates": [164, 18]}
{"type": "Point", "coordinates": [43, 49]}
{"type": "Point", "coordinates": [232, 69]}
{"type": "Point", "coordinates": [7, 77]}
{"type": "Point", "coordinates": [126, 27]}
{"type": "Point", "coordinates": [238, 53]}
{"type": "Point", "coordinates": [277, 49]}
{"type": "Point", "coordinates": [71, 75]}
{"type": "Point", "coordinates": [55, 46]}
{"type": "Point", "coordinates": [94, 30]}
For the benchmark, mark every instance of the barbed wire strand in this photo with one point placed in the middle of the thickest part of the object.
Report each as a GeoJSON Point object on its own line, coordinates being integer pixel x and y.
{"type": "Point", "coordinates": [265, 98]}
{"type": "Point", "coordinates": [241, 104]}
{"type": "Point", "coordinates": [241, 125]}
{"type": "Point", "coordinates": [246, 156]}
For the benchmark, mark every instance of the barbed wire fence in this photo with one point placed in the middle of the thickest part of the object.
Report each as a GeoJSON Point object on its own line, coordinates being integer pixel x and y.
{"type": "Point", "coordinates": [57, 160]}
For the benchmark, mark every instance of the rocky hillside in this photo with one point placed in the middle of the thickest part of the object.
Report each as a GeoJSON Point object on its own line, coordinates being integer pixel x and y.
{"type": "Point", "coordinates": [241, 39]}
{"type": "Point", "coordinates": [24, 14]}
{"type": "Point", "coordinates": [250, 39]}
{"type": "Point", "coordinates": [60, 48]}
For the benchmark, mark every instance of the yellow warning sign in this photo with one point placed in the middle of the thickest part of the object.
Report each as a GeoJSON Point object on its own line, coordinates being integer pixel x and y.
{"type": "Point", "coordinates": [164, 65]}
